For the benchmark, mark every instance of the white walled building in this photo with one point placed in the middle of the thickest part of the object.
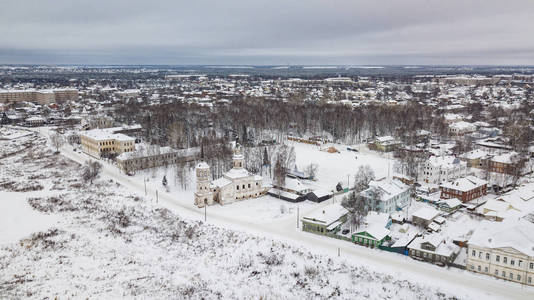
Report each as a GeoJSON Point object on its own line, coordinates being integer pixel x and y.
{"type": "Point", "coordinates": [439, 169]}
{"type": "Point", "coordinates": [394, 195]}
{"type": "Point", "coordinates": [461, 128]}
{"type": "Point", "coordinates": [235, 185]}
{"type": "Point", "coordinates": [503, 250]}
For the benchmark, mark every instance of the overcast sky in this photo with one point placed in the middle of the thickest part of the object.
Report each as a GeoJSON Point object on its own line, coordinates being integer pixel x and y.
{"type": "Point", "coordinates": [351, 32]}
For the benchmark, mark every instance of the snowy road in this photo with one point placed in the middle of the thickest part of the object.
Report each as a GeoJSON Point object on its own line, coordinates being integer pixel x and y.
{"type": "Point", "coordinates": [397, 265]}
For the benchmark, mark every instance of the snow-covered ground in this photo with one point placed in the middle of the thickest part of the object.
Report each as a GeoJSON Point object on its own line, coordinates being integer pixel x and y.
{"type": "Point", "coordinates": [10, 133]}
{"type": "Point", "coordinates": [116, 242]}
{"type": "Point", "coordinates": [339, 167]}
{"type": "Point", "coordinates": [103, 241]}
{"type": "Point", "coordinates": [19, 219]}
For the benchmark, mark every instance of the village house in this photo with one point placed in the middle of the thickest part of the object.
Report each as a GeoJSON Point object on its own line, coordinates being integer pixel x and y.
{"type": "Point", "coordinates": [34, 121]}
{"type": "Point", "coordinates": [424, 216]}
{"type": "Point", "coordinates": [326, 220]}
{"type": "Point", "coordinates": [375, 230]}
{"type": "Point", "coordinates": [386, 143]}
{"type": "Point", "coordinates": [475, 158]}
{"type": "Point", "coordinates": [237, 184]}
{"type": "Point", "coordinates": [504, 163]}
{"type": "Point", "coordinates": [433, 248]}
{"type": "Point", "coordinates": [438, 169]}
{"type": "Point", "coordinates": [514, 204]}
{"type": "Point", "coordinates": [461, 128]}
{"type": "Point", "coordinates": [386, 196]}
{"type": "Point", "coordinates": [503, 250]}
{"type": "Point", "coordinates": [465, 189]}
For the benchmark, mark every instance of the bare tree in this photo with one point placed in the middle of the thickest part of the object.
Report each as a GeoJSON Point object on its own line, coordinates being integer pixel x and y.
{"type": "Point", "coordinates": [90, 170]}
{"type": "Point", "coordinates": [362, 178]}
{"type": "Point", "coordinates": [57, 141]}
{"type": "Point", "coordinates": [311, 170]}
{"type": "Point", "coordinates": [355, 204]}
{"type": "Point", "coordinates": [285, 160]}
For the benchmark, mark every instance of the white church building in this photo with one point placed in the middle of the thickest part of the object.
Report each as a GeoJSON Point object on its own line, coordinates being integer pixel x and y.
{"type": "Point", "coordinates": [235, 185]}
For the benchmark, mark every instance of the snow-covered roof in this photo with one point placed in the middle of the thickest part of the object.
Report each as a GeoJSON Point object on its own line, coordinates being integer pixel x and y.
{"type": "Point", "coordinates": [443, 247]}
{"type": "Point", "coordinates": [374, 218]}
{"type": "Point", "coordinates": [462, 125]}
{"type": "Point", "coordinates": [516, 234]}
{"type": "Point", "coordinates": [202, 165]}
{"type": "Point", "coordinates": [389, 188]}
{"type": "Point", "coordinates": [475, 154]}
{"type": "Point", "coordinates": [326, 215]}
{"type": "Point", "coordinates": [295, 185]}
{"type": "Point", "coordinates": [101, 135]}
{"type": "Point", "coordinates": [376, 231]}
{"type": "Point", "coordinates": [464, 184]}
{"type": "Point", "coordinates": [237, 173]}
{"type": "Point", "coordinates": [221, 182]}
{"type": "Point", "coordinates": [426, 213]}
{"type": "Point", "coordinates": [452, 202]}
{"type": "Point", "coordinates": [446, 161]}
{"type": "Point", "coordinates": [505, 158]}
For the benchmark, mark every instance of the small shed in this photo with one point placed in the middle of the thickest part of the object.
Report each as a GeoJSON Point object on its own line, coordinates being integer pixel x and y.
{"type": "Point", "coordinates": [424, 216]}
{"type": "Point", "coordinates": [318, 196]}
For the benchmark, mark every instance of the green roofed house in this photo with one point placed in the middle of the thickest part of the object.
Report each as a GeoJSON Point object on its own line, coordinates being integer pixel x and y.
{"type": "Point", "coordinates": [372, 236]}
{"type": "Point", "coordinates": [325, 221]}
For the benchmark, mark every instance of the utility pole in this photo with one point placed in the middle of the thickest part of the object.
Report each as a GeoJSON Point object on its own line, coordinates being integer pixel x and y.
{"type": "Point", "coordinates": [333, 197]}
{"type": "Point", "coordinates": [144, 180]}
{"type": "Point", "coordinates": [338, 251]}
{"type": "Point", "coordinates": [205, 212]}
{"type": "Point", "coordinates": [157, 199]}
{"type": "Point", "coordinates": [297, 216]}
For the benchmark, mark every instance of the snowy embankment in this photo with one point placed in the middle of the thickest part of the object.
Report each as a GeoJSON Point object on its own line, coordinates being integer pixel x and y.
{"type": "Point", "coordinates": [103, 241]}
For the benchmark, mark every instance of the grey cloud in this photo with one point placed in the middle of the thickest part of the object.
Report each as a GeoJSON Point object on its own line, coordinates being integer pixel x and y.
{"type": "Point", "coordinates": [267, 32]}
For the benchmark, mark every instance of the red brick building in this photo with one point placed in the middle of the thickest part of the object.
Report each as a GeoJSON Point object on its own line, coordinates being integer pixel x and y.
{"type": "Point", "coordinates": [465, 189]}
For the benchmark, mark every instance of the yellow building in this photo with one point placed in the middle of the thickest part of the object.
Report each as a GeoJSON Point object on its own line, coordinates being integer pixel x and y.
{"type": "Point", "coordinates": [39, 96]}
{"type": "Point", "coordinates": [101, 142]}
{"type": "Point", "coordinates": [503, 250]}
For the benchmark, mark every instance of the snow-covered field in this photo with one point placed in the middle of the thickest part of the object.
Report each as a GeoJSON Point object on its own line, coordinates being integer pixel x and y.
{"type": "Point", "coordinates": [102, 241]}
{"type": "Point", "coordinates": [339, 167]}
{"type": "Point", "coordinates": [111, 241]}
{"type": "Point", "coordinates": [10, 133]}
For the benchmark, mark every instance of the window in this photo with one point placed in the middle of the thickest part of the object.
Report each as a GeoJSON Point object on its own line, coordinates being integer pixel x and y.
{"type": "Point", "coordinates": [531, 266]}
{"type": "Point", "coordinates": [496, 272]}
{"type": "Point", "coordinates": [487, 256]}
{"type": "Point", "coordinates": [512, 262]}
{"type": "Point", "coordinates": [520, 263]}
{"type": "Point", "coordinates": [474, 253]}
{"type": "Point", "coordinates": [237, 187]}
{"type": "Point", "coordinates": [472, 267]}
{"type": "Point", "coordinates": [518, 277]}
{"type": "Point", "coordinates": [498, 258]}
{"type": "Point", "coordinates": [486, 269]}
{"type": "Point", "coordinates": [249, 185]}
{"type": "Point", "coordinates": [511, 276]}
{"type": "Point", "coordinates": [479, 269]}
{"type": "Point", "coordinates": [505, 260]}
{"type": "Point", "coordinates": [530, 280]}
{"type": "Point", "coordinates": [480, 254]}
{"type": "Point", "coordinates": [503, 274]}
